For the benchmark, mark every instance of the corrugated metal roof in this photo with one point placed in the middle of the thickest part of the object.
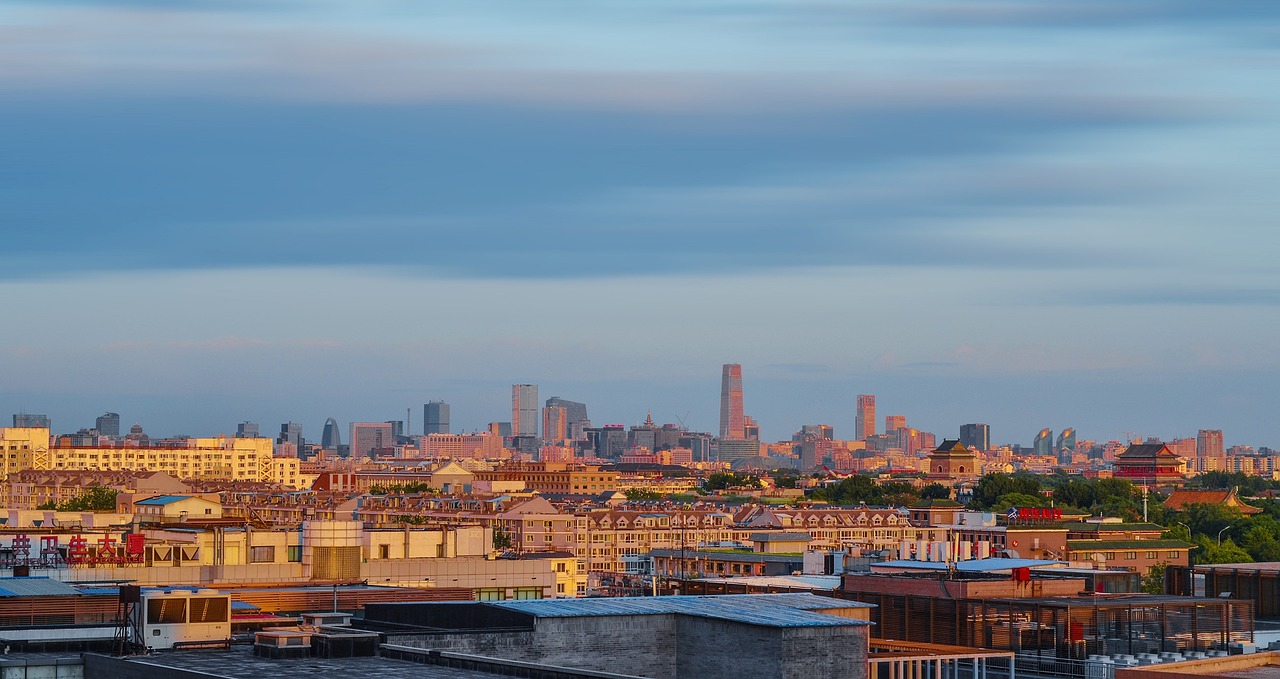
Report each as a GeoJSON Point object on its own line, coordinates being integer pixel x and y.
{"type": "Point", "coordinates": [15, 587]}
{"type": "Point", "coordinates": [768, 610]}
{"type": "Point", "coordinates": [829, 582]}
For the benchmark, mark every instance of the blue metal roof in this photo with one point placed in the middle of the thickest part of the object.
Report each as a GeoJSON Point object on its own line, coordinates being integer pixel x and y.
{"type": "Point", "coordinates": [768, 610]}
{"type": "Point", "coordinates": [163, 499]}
{"type": "Point", "coordinates": [36, 586]}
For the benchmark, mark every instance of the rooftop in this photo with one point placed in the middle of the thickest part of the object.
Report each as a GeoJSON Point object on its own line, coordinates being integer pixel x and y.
{"type": "Point", "coordinates": [766, 610]}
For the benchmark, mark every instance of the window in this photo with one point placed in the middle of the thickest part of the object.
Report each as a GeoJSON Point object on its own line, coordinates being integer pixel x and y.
{"type": "Point", "coordinates": [490, 594]}
{"type": "Point", "coordinates": [1130, 555]}
{"type": "Point", "coordinates": [384, 551]}
{"type": "Point", "coordinates": [266, 554]}
{"type": "Point", "coordinates": [1151, 555]}
{"type": "Point", "coordinates": [1173, 554]}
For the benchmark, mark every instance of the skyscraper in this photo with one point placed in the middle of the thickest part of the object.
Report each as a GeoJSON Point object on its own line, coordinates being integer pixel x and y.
{"type": "Point", "coordinates": [108, 424]}
{"type": "Point", "coordinates": [331, 436]}
{"type": "Point", "coordinates": [247, 430]}
{"type": "Point", "coordinates": [524, 410]}
{"type": "Point", "coordinates": [555, 423]}
{"type": "Point", "coordinates": [368, 436]}
{"type": "Point", "coordinates": [291, 432]}
{"type": "Point", "coordinates": [893, 423]}
{"type": "Point", "coordinates": [575, 416]}
{"type": "Point", "coordinates": [28, 420]}
{"type": "Point", "coordinates": [1209, 443]}
{"type": "Point", "coordinates": [1066, 440]}
{"type": "Point", "coordinates": [976, 436]}
{"type": "Point", "coordinates": [865, 425]}
{"type": "Point", "coordinates": [732, 422]}
{"type": "Point", "coordinates": [435, 418]}
{"type": "Point", "coordinates": [1043, 445]}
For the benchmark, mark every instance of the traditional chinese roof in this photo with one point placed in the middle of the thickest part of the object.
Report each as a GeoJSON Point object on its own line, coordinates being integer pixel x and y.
{"type": "Point", "coordinates": [1181, 499]}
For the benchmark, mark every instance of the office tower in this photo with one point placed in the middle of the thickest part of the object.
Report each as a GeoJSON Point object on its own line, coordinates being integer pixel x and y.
{"type": "Point", "coordinates": [893, 423]}
{"type": "Point", "coordinates": [976, 436]}
{"type": "Point", "coordinates": [865, 425]}
{"type": "Point", "coordinates": [1209, 443]}
{"type": "Point", "coordinates": [1066, 440]}
{"type": "Point", "coordinates": [502, 429]}
{"type": "Point", "coordinates": [397, 429]}
{"type": "Point", "coordinates": [732, 421]}
{"type": "Point", "coordinates": [524, 410]}
{"type": "Point", "coordinates": [370, 436]}
{"type": "Point", "coordinates": [750, 428]}
{"type": "Point", "coordinates": [291, 432]}
{"type": "Point", "coordinates": [436, 418]}
{"type": "Point", "coordinates": [1043, 445]}
{"type": "Point", "coordinates": [331, 437]}
{"type": "Point", "coordinates": [108, 424]}
{"type": "Point", "coordinates": [29, 420]}
{"type": "Point", "coordinates": [247, 430]}
{"type": "Point", "coordinates": [555, 423]}
{"type": "Point", "coordinates": [575, 416]}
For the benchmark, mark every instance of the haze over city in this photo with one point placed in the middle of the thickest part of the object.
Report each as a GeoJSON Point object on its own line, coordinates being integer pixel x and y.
{"type": "Point", "coordinates": [1029, 215]}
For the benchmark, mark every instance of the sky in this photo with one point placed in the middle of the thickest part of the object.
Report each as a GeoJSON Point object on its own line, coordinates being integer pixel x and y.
{"type": "Point", "coordinates": [1029, 214]}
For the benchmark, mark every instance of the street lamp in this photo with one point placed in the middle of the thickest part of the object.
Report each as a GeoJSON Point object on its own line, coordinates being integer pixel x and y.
{"type": "Point", "coordinates": [1224, 528]}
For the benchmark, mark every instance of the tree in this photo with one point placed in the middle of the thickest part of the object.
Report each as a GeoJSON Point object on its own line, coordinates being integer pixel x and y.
{"type": "Point", "coordinates": [935, 491]}
{"type": "Point", "coordinates": [723, 480]}
{"type": "Point", "coordinates": [500, 539]}
{"type": "Point", "coordinates": [1153, 581]}
{"type": "Point", "coordinates": [990, 488]}
{"type": "Point", "coordinates": [642, 494]}
{"type": "Point", "coordinates": [1017, 500]}
{"type": "Point", "coordinates": [1227, 552]}
{"type": "Point", "coordinates": [94, 499]}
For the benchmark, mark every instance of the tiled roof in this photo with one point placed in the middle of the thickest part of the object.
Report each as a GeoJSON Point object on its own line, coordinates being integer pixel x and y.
{"type": "Point", "coordinates": [1180, 499]}
{"type": "Point", "coordinates": [1127, 544]}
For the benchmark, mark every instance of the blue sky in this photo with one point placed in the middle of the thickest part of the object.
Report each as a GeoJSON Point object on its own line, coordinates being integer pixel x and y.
{"type": "Point", "coordinates": [1023, 213]}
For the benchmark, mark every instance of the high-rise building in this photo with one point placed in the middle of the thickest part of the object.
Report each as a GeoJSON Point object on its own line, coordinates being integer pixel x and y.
{"type": "Point", "coordinates": [1043, 445]}
{"type": "Point", "coordinates": [247, 430]}
{"type": "Point", "coordinates": [291, 432]}
{"type": "Point", "coordinates": [1209, 443]}
{"type": "Point", "coordinates": [893, 423]}
{"type": "Point", "coordinates": [732, 420]}
{"type": "Point", "coordinates": [524, 410]}
{"type": "Point", "coordinates": [575, 417]}
{"type": "Point", "coordinates": [1066, 440]}
{"type": "Point", "coordinates": [435, 418]}
{"type": "Point", "coordinates": [331, 436]}
{"type": "Point", "coordinates": [865, 425]}
{"type": "Point", "coordinates": [976, 436]}
{"type": "Point", "coordinates": [555, 423]}
{"type": "Point", "coordinates": [31, 421]}
{"type": "Point", "coordinates": [369, 436]}
{"type": "Point", "coordinates": [108, 424]}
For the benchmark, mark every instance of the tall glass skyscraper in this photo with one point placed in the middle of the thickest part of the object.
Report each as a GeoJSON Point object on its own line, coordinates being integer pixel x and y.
{"type": "Point", "coordinates": [865, 425]}
{"type": "Point", "coordinates": [436, 418]}
{"type": "Point", "coordinates": [108, 424]}
{"type": "Point", "coordinates": [524, 410]}
{"type": "Point", "coordinates": [732, 422]}
{"type": "Point", "coordinates": [331, 437]}
{"type": "Point", "coordinates": [1043, 444]}
{"type": "Point", "coordinates": [976, 436]}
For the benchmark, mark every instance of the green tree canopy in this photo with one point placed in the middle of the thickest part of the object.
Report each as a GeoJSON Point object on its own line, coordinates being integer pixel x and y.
{"type": "Point", "coordinates": [992, 487]}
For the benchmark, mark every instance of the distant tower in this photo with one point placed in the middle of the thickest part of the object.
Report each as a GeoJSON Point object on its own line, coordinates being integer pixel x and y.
{"type": "Point", "coordinates": [893, 423]}
{"type": "Point", "coordinates": [976, 436]}
{"type": "Point", "coordinates": [524, 410]}
{"type": "Point", "coordinates": [291, 432]}
{"type": "Point", "coordinates": [1209, 443]}
{"type": "Point", "coordinates": [732, 422]}
{"type": "Point", "coordinates": [369, 436]}
{"type": "Point", "coordinates": [331, 437]}
{"type": "Point", "coordinates": [1043, 445]}
{"type": "Point", "coordinates": [1066, 440]}
{"type": "Point", "coordinates": [555, 423]}
{"type": "Point", "coordinates": [29, 420]}
{"type": "Point", "coordinates": [436, 418]}
{"type": "Point", "coordinates": [108, 424]}
{"type": "Point", "coordinates": [247, 430]}
{"type": "Point", "coordinates": [865, 425]}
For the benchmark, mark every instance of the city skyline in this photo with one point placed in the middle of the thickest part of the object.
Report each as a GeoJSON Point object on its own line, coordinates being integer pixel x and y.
{"type": "Point", "coordinates": [286, 212]}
